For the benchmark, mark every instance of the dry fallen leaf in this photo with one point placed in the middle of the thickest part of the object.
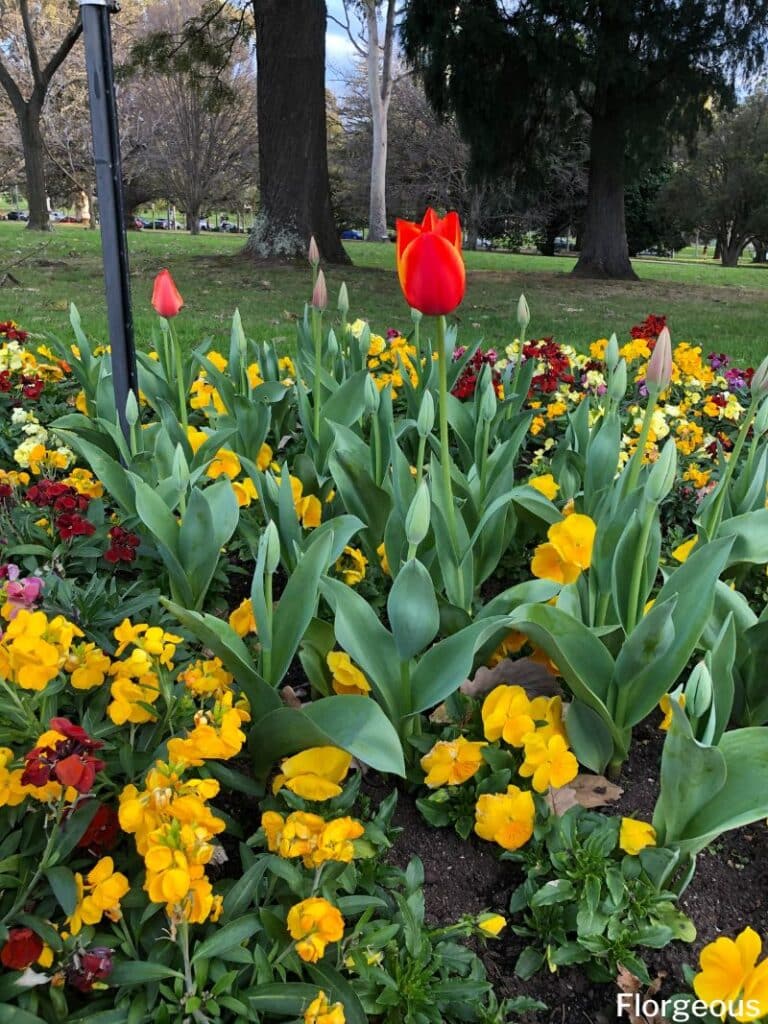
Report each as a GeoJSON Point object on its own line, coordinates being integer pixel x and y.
{"type": "Point", "coordinates": [628, 983]}
{"type": "Point", "coordinates": [586, 791]}
{"type": "Point", "coordinates": [534, 678]}
{"type": "Point", "coordinates": [290, 697]}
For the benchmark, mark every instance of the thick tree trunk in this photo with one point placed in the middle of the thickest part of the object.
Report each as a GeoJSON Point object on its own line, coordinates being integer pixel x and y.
{"type": "Point", "coordinates": [293, 157]}
{"type": "Point", "coordinates": [604, 251]}
{"type": "Point", "coordinates": [193, 220]}
{"type": "Point", "coordinates": [718, 248]}
{"type": "Point", "coordinates": [761, 251]}
{"type": "Point", "coordinates": [34, 168]}
{"type": "Point", "coordinates": [731, 249]}
{"type": "Point", "coordinates": [377, 210]}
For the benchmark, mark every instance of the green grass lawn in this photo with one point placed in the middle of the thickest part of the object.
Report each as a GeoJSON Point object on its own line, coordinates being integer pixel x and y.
{"type": "Point", "coordinates": [720, 309]}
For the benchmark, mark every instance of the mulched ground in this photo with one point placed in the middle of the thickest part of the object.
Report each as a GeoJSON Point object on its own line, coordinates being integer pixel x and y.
{"type": "Point", "coordinates": [728, 892]}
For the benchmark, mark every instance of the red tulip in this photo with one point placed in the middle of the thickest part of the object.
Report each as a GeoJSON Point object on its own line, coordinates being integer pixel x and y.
{"type": "Point", "coordinates": [429, 263]}
{"type": "Point", "coordinates": [21, 949]}
{"type": "Point", "coordinates": [166, 299]}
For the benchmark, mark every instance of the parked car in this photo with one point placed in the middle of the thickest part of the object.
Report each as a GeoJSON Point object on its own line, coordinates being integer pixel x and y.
{"type": "Point", "coordinates": [17, 215]}
{"type": "Point", "coordinates": [57, 216]}
{"type": "Point", "coordinates": [351, 235]}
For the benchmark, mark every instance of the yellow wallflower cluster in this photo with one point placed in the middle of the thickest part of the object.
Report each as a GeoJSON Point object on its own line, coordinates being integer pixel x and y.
{"type": "Point", "coordinates": [205, 396]}
{"type": "Point", "coordinates": [314, 923]}
{"type": "Point", "coordinates": [320, 1011]}
{"type": "Point", "coordinates": [99, 896]}
{"type": "Point", "coordinates": [568, 550]}
{"type": "Point", "coordinates": [227, 463]}
{"type": "Point", "coordinates": [217, 734]}
{"type": "Point", "coordinates": [389, 359]}
{"type": "Point", "coordinates": [311, 837]}
{"type": "Point", "coordinates": [173, 828]}
{"type": "Point", "coordinates": [206, 678]}
{"type": "Point", "coordinates": [34, 648]}
{"type": "Point", "coordinates": [314, 774]}
{"type": "Point", "coordinates": [136, 678]}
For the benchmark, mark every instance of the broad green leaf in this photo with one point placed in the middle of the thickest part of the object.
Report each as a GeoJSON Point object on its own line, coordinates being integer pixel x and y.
{"type": "Point", "coordinates": [589, 736]}
{"type": "Point", "coordinates": [139, 972]}
{"type": "Point", "coordinates": [297, 605]}
{"type": "Point", "coordinates": [356, 724]}
{"type": "Point", "coordinates": [339, 990]}
{"type": "Point", "coordinates": [62, 881]}
{"type": "Point", "coordinates": [412, 610]}
{"type": "Point", "coordinates": [645, 663]}
{"type": "Point", "coordinates": [284, 999]}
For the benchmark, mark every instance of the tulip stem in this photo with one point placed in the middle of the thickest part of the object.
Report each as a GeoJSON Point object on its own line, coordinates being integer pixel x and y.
{"type": "Point", "coordinates": [317, 336]}
{"type": "Point", "coordinates": [445, 454]}
{"type": "Point", "coordinates": [722, 487]}
{"type": "Point", "coordinates": [376, 446]}
{"type": "Point", "coordinates": [637, 459]}
{"type": "Point", "coordinates": [633, 610]}
{"type": "Point", "coordinates": [182, 391]}
{"type": "Point", "coordinates": [420, 460]}
{"type": "Point", "coordinates": [267, 651]}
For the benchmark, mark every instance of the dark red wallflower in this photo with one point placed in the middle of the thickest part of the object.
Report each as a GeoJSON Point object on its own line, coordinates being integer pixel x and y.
{"type": "Point", "coordinates": [32, 387]}
{"type": "Point", "coordinates": [5, 380]}
{"type": "Point", "coordinates": [467, 381]}
{"type": "Point", "coordinates": [89, 966]}
{"type": "Point", "coordinates": [122, 546]}
{"type": "Point", "coordinates": [21, 949]}
{"type": "Point", "coordinates": [70, 761]}
{"type": "Point", "coordinates": [102, 833]}
{"type": "Point", "coordinates": [72, 524]}
{"type": "Point", "coordinates": [650, 328]}
{"type": "Point", "coordinates": [557, 365]}
{"type": "Point", "coordinates": [10, 332]}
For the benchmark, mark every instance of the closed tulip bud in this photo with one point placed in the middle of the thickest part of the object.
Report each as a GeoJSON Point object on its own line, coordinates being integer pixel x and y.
{"type": "Point", "coordinates": [523, 315]}
{"type": "Point", "coordinates": [612, 353]}
{"type": "Point", "coordinates": [343, 304]}
{"type": "Point", "coordinates": [320, 292]}
{"type": "Point", "coordinates": [131, 410]}
{"type": "Point", "coordinates": [271, 541]}
{"type": "Point", "coordinates": [659, 372]}
{"type": "Point", "coordinates": [661, 479]}
{"type": "Point", "coordinates": [617, 383]}
{"type": "Point", "coordinates": [270, 485]}
{"type": "Point", "coordinates": [364, 341]}
{"type": "Point", "coordinates": [488, 401]}
{"type": "Point", "coordinates": [761, 419]}
{"type": "Point", "coordinates": [313, 253]}
{"type": "Point", "coordinates": [372, 396]}
{"type": "Point", "coordinates": [417, 518]}
{"type": "Point", "coordinates": [332, 344]}
{"type": "Point", "coordinates": [166, 298]}
{"type": "Point", "coordinates": [760, 379]}
{"type": "Point", "coordinates": [698, 691]}
{"type": "Point", "coordinates": [426, 418]}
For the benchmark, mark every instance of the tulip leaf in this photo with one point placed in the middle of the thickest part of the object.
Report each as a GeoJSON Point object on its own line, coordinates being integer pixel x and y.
{"type": "Point", "coordinates": [643, 667]}
{"type": "Point", "coordinates": [127, 973]}
{"type": "Point", "coordinates": [361, 634]}
{"type": "Point", "coordinates": [692, 778]}
{"type": "Point", "coordinates": [356, 724]}
{"type": "Point", "coordinates": [282, 999]}
{"type": "Point", "coordinates": [227, 938]}
{"type": "Point", "coordinates": [412, 610]}
{"type": "Point", "coordinates": [750, 537]}
{"type": "Point", "coordinates": [741, 800]}
{"type": "Point", "coordinates": [589, 736]}
{"type": "Point", "coordinates": [296, 607]}
{"type": "Point", "coordinates": [442, 670]}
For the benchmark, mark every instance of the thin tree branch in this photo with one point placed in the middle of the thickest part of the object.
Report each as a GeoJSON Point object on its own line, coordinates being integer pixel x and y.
{"type": "Point", "coordinates": [347, 26]}
{"type": "Point", "coordinates": [12, 90]}
{"type": "Point", "coordinates": [58, 58]}
{"type": "Point", "coordinates": [34, 58]}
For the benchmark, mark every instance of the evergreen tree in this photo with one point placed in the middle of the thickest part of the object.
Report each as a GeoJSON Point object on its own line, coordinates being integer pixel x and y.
{"type": "Point", "coordinates": [643, 70]}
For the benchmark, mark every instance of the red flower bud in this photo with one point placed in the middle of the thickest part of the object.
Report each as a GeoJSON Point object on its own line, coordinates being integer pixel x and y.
{"type": "Point", "coordinates": [166, 299]}
{"type": "Point", "coordinates": [429, 263]}
{"type": "Point", "coordinates": [21, 949]}
{"type": "Point", "coordinates": [320, 292]}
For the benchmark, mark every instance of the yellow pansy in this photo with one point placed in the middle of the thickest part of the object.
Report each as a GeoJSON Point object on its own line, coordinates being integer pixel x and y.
{"type": "Point", "coordinates": [449, 763]}
{"type": "Point", "coordinates": [347, 678]}
{"type": "Point", "coordinates": [505, 818]}
{"type": "Point", "coordinates": [314, 774]}
{"type": "Point", "coordinates": [635, 835]}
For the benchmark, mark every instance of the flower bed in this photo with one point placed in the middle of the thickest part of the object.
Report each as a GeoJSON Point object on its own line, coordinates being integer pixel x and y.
{"type": "Point", "coordinates": [388, 568]}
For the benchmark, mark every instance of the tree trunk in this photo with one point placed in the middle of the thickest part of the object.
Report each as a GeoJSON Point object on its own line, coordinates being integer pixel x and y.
{"type": "Point", "coordinates": [473, 217]}
{"type": "Point", "coordinates": [34, 168]}
{"type": "Point", "coordinates": [731, 249]}
{"type": "Point", "coordinates": [604, 252]}
{"type": "Point", "coordinates": [293, 156]}
{"type": "Point", "coordinates": [718, 248]}
{"type": "Point", "coordinates": [377, 208]}
{"type": "Point", "coordinates": [761, 251]}
{"type": "Point", "coordinates": [193, 220]}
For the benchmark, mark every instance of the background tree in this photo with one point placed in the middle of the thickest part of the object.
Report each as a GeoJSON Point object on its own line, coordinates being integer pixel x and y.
{"type": "Point", "coordinates": [722, 190]}
{"type": "Point", "coordinates": [641, 69]}
{"type": "Point", "coordinates": [199, 128]}
{"type": "Point", "coordinates": [375, 45]}
{"type": "Point", "coordinates": [293, 155]}
{"type": "Point", "coordinates": [37, 37]}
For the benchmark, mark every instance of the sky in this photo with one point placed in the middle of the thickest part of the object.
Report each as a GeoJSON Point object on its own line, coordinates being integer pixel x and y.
{"type": "Point", "coordinates": [340, 54]}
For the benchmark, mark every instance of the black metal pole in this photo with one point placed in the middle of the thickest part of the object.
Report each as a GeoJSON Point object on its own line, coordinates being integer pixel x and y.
{"type": "Point", "coordinates": [109, 187]}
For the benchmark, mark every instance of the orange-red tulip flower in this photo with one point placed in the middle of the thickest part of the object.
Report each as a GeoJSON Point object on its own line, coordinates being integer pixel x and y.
{"type": "Point", "coordinates": [429, 263]}
{"type": "Point", "coordinates": [166, 299]}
